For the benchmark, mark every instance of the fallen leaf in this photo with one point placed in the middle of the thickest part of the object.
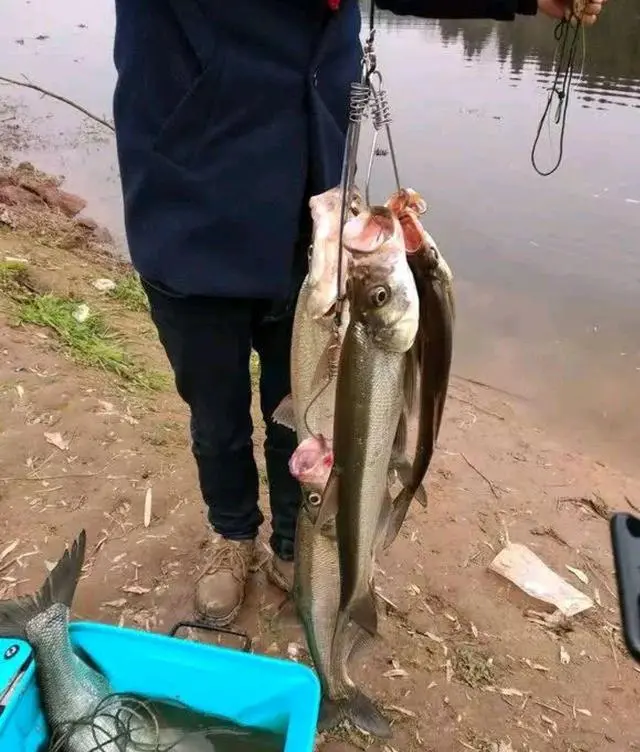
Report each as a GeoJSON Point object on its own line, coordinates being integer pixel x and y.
{"type": "Point", "coordinates": [536, 666]}
{"type": "Point", "coordinates": [119, 603]}
{"type": "Point", "coordinates": [510, 692]}
{"type": "Point", "coordinates": [433, 637]}
{"type": "Point", "coordinates": [564, 656]}
{"type": "Point", "coordinates": [584, 711]}
{"type": "Point", "coordinates": [57, 440]}
{"type": "Point", "coordinates": [596, 596]}
{"type": "Point", "coordinates": [448, 670]}
{"type": "Point", "coordinates": [20, 390]}
{"type": "Point", "coordinates": [11, 547]}
{"type": "Point", "coordinates": [578, 573]}
{"type": "Point", "coordinates": [148, 498]}
{"type": "Point", "coordinates": [136, 589]}
{"type": "Point", "coordinates": [474, 630]}
{"type": "Point", "coordinates": [402, 711]}
{"type": "Point", "coordinates": [394, 673]}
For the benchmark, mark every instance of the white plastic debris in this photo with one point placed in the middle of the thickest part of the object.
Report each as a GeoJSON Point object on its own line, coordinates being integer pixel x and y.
{"type": "Point", "coordinates": [523, 568]}
{"type": "Point", "coordinates": [104, 285]}
{"type": "Point", "coordinates": [81, 314]}
{"type": "Point", "coordinates": [57, 440]}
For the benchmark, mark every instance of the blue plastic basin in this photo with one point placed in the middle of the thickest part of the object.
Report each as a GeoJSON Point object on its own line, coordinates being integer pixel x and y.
{"type": "Point", "coordinates": [252, 690]}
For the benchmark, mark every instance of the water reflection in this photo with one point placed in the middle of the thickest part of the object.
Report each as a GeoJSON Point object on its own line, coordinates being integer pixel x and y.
{"type": "Point", "coordinates": [610, 73]}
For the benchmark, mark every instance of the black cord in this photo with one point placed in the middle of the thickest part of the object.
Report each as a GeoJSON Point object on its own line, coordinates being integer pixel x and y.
{"type": "Point", "coordinates": [561, 33]}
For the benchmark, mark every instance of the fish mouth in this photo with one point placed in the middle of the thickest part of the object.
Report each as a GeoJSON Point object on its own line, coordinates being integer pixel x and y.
{"type": "Point", "coordinates": [370, 230]}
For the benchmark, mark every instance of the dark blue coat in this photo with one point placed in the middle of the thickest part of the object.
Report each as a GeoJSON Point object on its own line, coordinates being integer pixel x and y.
{"type": "Point", "coordinates": [228, 114]}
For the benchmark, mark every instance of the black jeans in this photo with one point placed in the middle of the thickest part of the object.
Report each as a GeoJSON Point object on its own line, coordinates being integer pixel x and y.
{"type": "Point", "coordinates": [208, 342]}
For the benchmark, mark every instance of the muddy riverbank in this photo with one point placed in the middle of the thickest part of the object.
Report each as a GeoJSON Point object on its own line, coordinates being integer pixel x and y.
{"type": "Point", "coordinates": [91, 427]}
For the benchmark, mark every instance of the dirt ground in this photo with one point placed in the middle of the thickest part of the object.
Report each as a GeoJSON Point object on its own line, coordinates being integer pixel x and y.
{"type": "Point", "coordinates": [464, 660]}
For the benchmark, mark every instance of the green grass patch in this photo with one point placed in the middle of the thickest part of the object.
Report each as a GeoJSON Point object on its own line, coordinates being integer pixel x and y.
{"type": "Point", "coordinates": [130, 293]}
{"type": "Point", "coordinates": [90, 342]}
{"type": "Point", "coordinates": [13, 276]}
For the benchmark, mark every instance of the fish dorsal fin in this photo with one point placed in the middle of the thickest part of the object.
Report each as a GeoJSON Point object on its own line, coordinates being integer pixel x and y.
{"type": "Point", "coordinates": [284, 414]}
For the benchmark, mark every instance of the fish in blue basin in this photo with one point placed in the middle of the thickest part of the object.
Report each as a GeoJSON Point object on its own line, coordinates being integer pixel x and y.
{"type": "Point", "coordinates": [83, 712]}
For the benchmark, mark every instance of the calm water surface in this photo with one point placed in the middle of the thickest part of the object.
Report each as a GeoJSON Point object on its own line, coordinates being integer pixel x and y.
{"type": "Point", "coordinates": [548, 269]}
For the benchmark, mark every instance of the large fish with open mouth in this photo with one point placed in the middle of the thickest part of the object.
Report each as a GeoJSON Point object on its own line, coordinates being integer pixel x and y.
{"type": "Point", "coordinates": [433, 345]}
{"type": "Point", "coordinates": [370, 396]}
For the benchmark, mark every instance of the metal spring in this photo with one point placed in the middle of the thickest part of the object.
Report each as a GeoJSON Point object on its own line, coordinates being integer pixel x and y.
{"type": "Point", "coordinates": [359, 101]}
{"type": "Point", "coordinates": [380, 109]}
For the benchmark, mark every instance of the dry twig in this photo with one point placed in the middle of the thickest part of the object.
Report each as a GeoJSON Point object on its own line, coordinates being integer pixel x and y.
{"type": "Point", "coordinates": [491, 484]}
{"type": "Point", "coordinates": [28, 85]}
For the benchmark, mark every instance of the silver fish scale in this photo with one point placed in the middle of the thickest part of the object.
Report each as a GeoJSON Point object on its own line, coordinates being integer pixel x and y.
{"type": "Point", "coordinates": [369, 401]}
{"type": "Point", "coordinates": [308, 342]}
{"type": "Point", "coordinates": [70, 688]}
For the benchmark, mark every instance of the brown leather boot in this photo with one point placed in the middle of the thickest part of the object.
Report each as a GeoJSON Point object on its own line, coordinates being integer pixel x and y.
{"type": "Point", "coordinates": [221, 589]}
{"type": "Point", "coordinates": [280, 573]}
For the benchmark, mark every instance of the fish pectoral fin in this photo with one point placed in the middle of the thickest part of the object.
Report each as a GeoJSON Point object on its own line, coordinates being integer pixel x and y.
{"type": "Point", "coordinates": [362, 712]}
{"type": "Point", "coordinates": [412, 363]}
{"type": "Point", "coordinates": [405, 473]}
{"type": "Point", "coordinates": [328, 507]}
{"type": "Point", "coordinates": [397, 516]}
{"type": "Point", "coordinates": [365, 614]}
{"type": "Point", "coordinates": [421, 496]}
{"type": "Point", "coordinates": [59, 587]}
{"type": "Point", "coordinates": [284, 414]}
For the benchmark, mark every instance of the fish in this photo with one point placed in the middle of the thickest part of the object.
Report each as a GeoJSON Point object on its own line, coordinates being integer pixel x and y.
{"type": "Point", "coordinates": [81, 708]}
{"type": "Point", "coordinates": [316, 593]}
{"type": "Point", "coordinates": [315, 342]}
{"type": "Point", "coordinates": [370, 395]}
{"type": "Point", "coordinates": [433, 345]}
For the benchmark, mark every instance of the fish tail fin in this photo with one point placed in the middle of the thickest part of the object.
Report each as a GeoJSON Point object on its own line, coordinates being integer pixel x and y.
{"type": "Point", "coordinates": [362, 712]}
{"type": "Point", "coordinates": [359, 710]}
{"type": "Point", "coordinates": [364, 612]}
{"type": "Point", "coordinates": [405, 473]}
{"type": "Point", "coordinates": [59, 587]}
{"type": "Point", "coordinates": [397, 516]}
{"type": "Point", "coordinates": [284, 414]}
{"type": "Point", "coordinates": [330, 715]}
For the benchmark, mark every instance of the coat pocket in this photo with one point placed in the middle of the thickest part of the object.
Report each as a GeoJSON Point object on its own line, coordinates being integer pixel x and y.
{"type": "Point", "coordinates": [182, 130]}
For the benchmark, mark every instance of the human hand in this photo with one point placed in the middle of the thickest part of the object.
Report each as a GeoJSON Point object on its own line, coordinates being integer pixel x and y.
{"type": "Point", "coordinates": [587, 10]}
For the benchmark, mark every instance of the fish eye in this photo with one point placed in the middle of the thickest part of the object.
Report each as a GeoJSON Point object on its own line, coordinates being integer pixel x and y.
{"type": "Point", "coordinates": [379, 295]}
{"type": "Point", "coordinates": [314, 499]}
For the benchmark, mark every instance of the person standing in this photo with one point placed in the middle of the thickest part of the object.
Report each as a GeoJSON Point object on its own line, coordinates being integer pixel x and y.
{"type": "Point", "coordinates": [228, 117]}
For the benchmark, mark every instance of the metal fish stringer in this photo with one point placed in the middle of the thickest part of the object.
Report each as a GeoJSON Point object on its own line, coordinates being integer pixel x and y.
{"type": "Point", "coordinates": [367, 96]}
{"type": "Point", "coordinates": [567, 34]}
{"type": "Point", "coordinates": [381, 115]}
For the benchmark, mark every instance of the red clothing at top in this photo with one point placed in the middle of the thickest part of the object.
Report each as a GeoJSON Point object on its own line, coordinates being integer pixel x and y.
{"type": "Point", "coordinates": [334, 4]}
